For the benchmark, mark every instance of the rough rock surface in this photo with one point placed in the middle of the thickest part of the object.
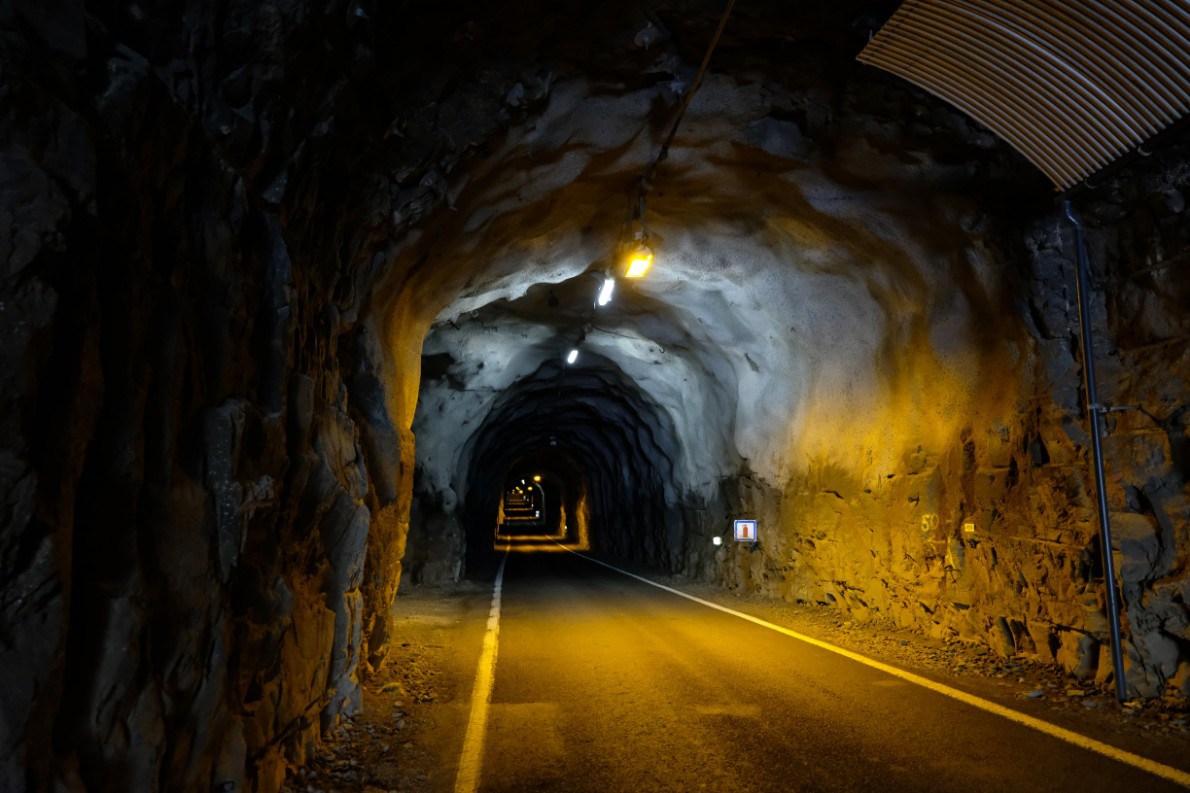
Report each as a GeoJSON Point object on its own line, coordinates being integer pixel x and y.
{"type": "Point", "coordinates": [205, 488]}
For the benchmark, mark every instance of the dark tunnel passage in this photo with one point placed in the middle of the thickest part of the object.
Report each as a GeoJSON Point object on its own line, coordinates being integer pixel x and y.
{"type": "Point", "coordinates": [533, 505]}
{"type": "Point", "coordinates": [597, 433]}
{"type": "Point", "coordinates": [289, 293]}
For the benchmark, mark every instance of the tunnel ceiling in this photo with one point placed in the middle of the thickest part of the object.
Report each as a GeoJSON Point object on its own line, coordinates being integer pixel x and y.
{"type": "Point", "coordinates": [813, 223]}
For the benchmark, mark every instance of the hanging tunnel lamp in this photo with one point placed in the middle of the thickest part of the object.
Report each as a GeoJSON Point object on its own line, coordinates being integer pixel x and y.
{"type": "Point", "coordinates": [639, 263]}
{"type": "Point", "coordinates": [605, 292]}
{"type": "Point", "coordinates": [640, 254]}
{"type": "Point", "coordinates": [634, 244]}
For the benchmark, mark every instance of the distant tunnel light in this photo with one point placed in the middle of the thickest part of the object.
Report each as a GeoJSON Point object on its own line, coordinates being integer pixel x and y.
{"type": "Point", "coordinates": [605, 293]}
{"type": "Point", "coordinates": [572, 357]}
{"type": "Point", "coordinates": [716, 540]}
{"type": "Point", "coordinates": [537, 477]}
{"type": "Point", "coordinates": [639, 264]}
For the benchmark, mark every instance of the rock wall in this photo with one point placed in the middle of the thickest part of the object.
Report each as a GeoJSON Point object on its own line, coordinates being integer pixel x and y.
{"type": "Point", "coordinates": [989, 534]}
{"type": "Point", "coordinates": [205, 494]}
{"type": "Point", "coordinates": [206, 456]}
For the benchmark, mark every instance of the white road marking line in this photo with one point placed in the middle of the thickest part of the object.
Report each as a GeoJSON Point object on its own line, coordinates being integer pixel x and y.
{"type": "Point", "coordinates": [471, 760]}
{"type": "Point", "coordinates": [1090, 744]}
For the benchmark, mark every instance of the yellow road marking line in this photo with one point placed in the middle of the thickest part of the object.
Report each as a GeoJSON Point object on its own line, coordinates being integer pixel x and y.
{"type": "Point", "coordinates": [471, 760]}
{"type": "Point", "coordinates": [1090, 744]}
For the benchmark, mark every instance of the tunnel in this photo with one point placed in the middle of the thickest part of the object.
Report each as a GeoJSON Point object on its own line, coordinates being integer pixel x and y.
{"type": "Point", "coordinates": [310, 306]}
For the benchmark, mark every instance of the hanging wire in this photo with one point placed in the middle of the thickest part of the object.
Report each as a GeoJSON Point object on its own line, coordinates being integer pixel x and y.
{"type": "Point", "coordinates": [636, 203]}
{"type": "Point", "coordinates": [642, 183]}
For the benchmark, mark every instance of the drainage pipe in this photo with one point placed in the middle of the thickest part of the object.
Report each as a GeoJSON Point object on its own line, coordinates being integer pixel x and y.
{"type": "Point", "coordinates": [1093, 418]}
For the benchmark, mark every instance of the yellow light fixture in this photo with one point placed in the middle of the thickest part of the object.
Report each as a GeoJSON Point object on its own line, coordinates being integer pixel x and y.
{"type": "Point", "coordinates": [537, 477]}
{"type": "Point", "coordinates": [639, 263]}
{"type": "Point", "coordinates": [640, 255]}
{"type": "Point", "coordinates": [634, 242]}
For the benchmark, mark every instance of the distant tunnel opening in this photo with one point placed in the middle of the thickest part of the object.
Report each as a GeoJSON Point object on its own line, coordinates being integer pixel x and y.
{"type": "Point", "coordinates": [543, 504]}
{"type": "Point", "coordinates": [523, 509]}
{"type": "Point", "coordinates": [596, 442]}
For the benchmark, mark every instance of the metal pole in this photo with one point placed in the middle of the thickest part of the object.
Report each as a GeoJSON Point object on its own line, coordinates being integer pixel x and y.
{"type": "Point", "coordinates": [1093, 411]}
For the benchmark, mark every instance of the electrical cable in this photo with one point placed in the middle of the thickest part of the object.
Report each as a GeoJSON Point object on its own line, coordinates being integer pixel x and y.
{"type": "Point", "coordinates": [636, 204]}
{"type": "Point", "coordinates": [686, 100]}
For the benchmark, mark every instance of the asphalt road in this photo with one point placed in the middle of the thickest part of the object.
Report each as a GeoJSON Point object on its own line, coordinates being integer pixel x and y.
{"type": "Point", "coordinates": [604, 683]}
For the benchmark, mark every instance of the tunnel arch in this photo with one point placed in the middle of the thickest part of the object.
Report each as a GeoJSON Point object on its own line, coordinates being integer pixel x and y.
{"type": "Point", "coordinates": [611, 438]}
{"type": "Point", "coordinates": [566, 489]}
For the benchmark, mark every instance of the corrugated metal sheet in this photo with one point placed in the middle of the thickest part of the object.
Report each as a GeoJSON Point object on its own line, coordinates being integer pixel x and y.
{"type": "Point", "coordinates": [1071, 85]}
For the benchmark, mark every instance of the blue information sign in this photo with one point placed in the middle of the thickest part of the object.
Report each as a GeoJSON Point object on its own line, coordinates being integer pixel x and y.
{"type": "Point", "coordinates": [745, 531]}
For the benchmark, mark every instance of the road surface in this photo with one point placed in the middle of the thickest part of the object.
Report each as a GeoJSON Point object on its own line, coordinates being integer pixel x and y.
{"type": "Point", "coordinates": [604, 683]}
